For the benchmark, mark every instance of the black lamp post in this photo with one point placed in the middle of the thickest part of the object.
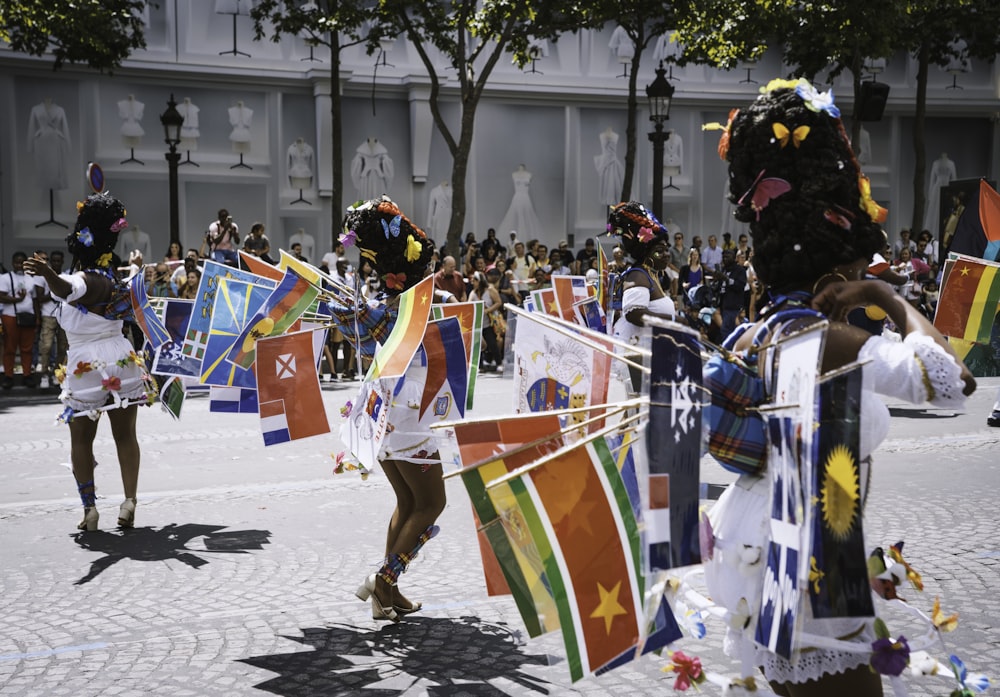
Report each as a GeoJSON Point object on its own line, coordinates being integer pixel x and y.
{"type": "Point", "coordinates": [172, 122]}
{"type": "Point", "coordinates": [659, 92]}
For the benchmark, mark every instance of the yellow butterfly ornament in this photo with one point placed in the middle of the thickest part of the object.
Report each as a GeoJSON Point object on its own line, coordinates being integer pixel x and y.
{"type": "Point", "coordinates": [783, 134]}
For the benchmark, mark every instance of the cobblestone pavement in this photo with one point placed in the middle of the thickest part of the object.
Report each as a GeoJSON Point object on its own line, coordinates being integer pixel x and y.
{"type": "Point", "coordinates": [240, 577]}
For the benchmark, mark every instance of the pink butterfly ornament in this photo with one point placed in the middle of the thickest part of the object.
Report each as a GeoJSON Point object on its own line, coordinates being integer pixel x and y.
{"type": "Point", "coordinates": [763, 191]}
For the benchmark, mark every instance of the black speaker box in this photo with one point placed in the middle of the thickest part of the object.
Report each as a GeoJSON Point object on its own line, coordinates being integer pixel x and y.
{"type": "Point", "coordinates": [873, 98]}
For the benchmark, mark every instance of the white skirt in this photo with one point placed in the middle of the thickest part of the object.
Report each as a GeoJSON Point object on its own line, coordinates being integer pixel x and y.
{"type": "Point", "coordinates": [102, 372]}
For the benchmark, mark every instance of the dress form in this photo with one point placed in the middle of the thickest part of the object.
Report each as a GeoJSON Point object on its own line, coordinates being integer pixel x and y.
{"type": "Point", "coordinates": [131, 238]}
{"type": "Point", "coordinates": [521, 214]}
{"type": "Point", "coordinates": [439, 210]}
{"type": "Point", "coordinates": [49, 142]}
{"type": "Point", "coordinates": [130, 111]}
{"type": "Point", "coordinates": [189, 129]}
{"type": "Point", "coordinates": [610, 170]}
{"type": "Point", "coordinates": [942, 174]}
{"type": "Point", "coordinates": [240, 118]}
{"type": "Point", "coordinates": [372, 169]}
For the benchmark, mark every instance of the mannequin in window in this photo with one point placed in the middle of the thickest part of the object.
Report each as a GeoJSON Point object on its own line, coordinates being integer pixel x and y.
{"type": "Point", "coordinates": [942, 174]}
{"type": "Point", "coordinates": [130, 111]}
{"type": "Point", "coordinates": [240, 118]}
{"type": "Point", "coordinates": [233, 7]}
{"type": "Point", "coordinates": [673, 154]}
{"type": "Point", "coordinates": [303, 238]}
{"type": "Point", "coordinates": [667, 48]}
{"type": "Point", "coordinates": [621, 45]}
{"type": "Point", "coordinates": [189, 129]}
{"type": "Point", "coordinates": [439, 210]}
{"type": "Point", "coordinates": [521, 214]}
{"type": "Point", "coordinates": [372, 169]}
{"type": "Point", "coordinates": [131, 238]}
{"type": "Point", "coordinates": [300, 165]}
{"type": "Point", "coordinates": [48, 140]}
{"type": "Point", "coordinates": [864, 149]}
{"type": "Point", "coordinates": [610, 170]}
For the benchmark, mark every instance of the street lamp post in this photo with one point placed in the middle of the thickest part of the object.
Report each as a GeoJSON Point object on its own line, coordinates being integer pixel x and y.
{"type": "Point", "coordinates": [172, 122]}
{"type": "Point", "coordinates": [659, 92]}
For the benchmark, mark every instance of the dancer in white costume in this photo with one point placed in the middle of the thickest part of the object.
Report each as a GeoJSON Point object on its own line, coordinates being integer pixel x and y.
{"type": "Point", "coordinates": [48, 140]}
{"type": "Point", "coordinates": [520, 214]}
{"type": "Point", "coordinates": [372, 169]}
{"type": "Point", "coordinates": [610, 170]}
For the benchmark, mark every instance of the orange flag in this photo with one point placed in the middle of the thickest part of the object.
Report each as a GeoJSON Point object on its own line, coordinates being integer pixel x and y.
{"type": "Point", "coordinates": [989, 211]}
{"type": "Point", "coordinates": [393, 358]}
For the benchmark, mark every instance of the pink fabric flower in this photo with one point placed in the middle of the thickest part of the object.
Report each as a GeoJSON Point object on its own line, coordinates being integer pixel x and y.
{"type": "Point", "coordinates": [645, 234]}
{"type": "Point", "coordinates": [688, 669]}
{"type": "Point", "coordinates": [119, 225]}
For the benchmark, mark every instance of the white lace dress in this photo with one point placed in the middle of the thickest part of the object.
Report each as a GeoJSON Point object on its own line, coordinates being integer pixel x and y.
{"type": "Point", "coordinates": [917, 370]}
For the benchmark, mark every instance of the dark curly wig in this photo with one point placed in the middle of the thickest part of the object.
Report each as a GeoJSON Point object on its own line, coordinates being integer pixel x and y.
{"type": "Point", "coordinates": [795, 180]}
{"type": "Point", "coordinates": [92, 243]}
{"type": "Point", "coordinates": [637, 227]}
{"type": "Point", "coordinates": [398, 250]}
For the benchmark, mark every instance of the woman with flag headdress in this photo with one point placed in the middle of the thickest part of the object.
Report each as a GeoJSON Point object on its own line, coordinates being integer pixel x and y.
{"type": "Point", "coordinates": [400, 254]}
{"type": "Point", "coordinates": [815, 227]}
{"type": "Point", "coordinates": [647, 242]}
{"type": "Point", "coordinates": [103, 372]}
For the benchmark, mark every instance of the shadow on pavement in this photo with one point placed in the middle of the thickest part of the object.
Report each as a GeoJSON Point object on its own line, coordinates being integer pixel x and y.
{"type": "Point", "coordinates": [911, 413]}
{"type": "Point", "coordinates": [169, 542]}
{"type": "Point", "coordinates": [443, 656]}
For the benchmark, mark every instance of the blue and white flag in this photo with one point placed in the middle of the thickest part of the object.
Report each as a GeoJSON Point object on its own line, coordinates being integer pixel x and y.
{"type": "Point", "coordinates": [232, 400]}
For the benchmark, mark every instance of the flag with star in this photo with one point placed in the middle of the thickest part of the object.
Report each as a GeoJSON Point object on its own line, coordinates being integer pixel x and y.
{"type": "Point", "coordinates": [555, 371]}
{"type": "Point", "coordinates": [470, 318]}
{"type": "Point", "coordinates": [671, 482]}
{"type": "Point", "coordinates": [236, 303]}
{"type": "Point", "coordinates": [969, 300]}
{"type": "Point", "coordinates": [204, 303]}
{"type": "Point", "coordinates": [838, 582]}
{"type": "Point", "coordinates": [392, 359]}
{"type": "Point", "coordinates": [283, 307]}
{"type": "Point", "coordinates": [577, 507]}
{"type": "Point", "coordinates": [545, 301]}
{"type": "Point", "coordinates": [290, 401]}
{"type": "Point", "coordinates": [512, 562]}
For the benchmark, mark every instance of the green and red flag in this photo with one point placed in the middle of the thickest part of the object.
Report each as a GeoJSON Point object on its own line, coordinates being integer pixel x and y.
{"type": "Point", "coordinates": [969, 300]}
{"type": "Point", "coordinates": [392, 359]}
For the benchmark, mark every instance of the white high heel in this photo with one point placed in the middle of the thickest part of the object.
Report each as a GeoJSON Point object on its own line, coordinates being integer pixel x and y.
{"type": "Point", "coordinates": [126, 514]}
{"type": "Point", "coordinates": [90, 518]}
{"type": "Point", "coordinates": [366, 589]}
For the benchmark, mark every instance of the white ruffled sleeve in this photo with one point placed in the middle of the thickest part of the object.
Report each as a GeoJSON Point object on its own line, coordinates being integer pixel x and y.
{"type": "Point", "coordinates": [635, 297]}
{"type": "Point", "coordinates": [916, 369]}
{"type": "Point", "coordinates": [79, 286]}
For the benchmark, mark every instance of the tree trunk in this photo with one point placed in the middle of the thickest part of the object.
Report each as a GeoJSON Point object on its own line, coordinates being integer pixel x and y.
{"type": "Point", "coordinates": [857, 66]}
{"type": "Point", "coordinates": [459, 168]}
{"type": "Point", "coordinates": [631, 129]}
{"type": "Point", "coordinates": [919, 144]}
{"type": "Point", "coordinates": [336, 133]}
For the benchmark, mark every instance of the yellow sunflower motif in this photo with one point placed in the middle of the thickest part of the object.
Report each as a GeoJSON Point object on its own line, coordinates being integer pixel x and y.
{"type": "Point", "coordinates": [840, 492]}
{"type": "Point", "coordinates": [104, 259]}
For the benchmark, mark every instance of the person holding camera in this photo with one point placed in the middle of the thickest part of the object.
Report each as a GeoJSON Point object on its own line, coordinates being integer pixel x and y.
{"type": "Point", "coordinates": [21, 314]}
{"type": "Point", "coordinates": [222, 239]}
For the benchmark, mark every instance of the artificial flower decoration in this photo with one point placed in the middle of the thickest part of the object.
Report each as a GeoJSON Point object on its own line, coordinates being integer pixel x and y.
{"type": "Point", "coordinates": [896, 554]}
{"type": "Point", "coordinates": [338, 458]}
{"type": "Point", "coordinates": [782, 84]}
{"type": "Point", "coordinates": [727, 130]}
{"type": "Point", "coordinates": [345, 410]}
{"type": "Point", "coordinates": [105, 259]}
{"type": "Point", "coordinates": [784, 135]}
{"type": "Point", "coordinates": [119, 225]}
{"type": "Point", "coordinates": [874, 211]}
{"type": "Point", "coordinates": [111, 384]}
{"type": "Point", "coordinates": [688, 669]}
{"type": "Point", "coordinates": [817, 101]}
{"type": "Point", "coordinates": [922, 663]}
{"type": "Point", "coordinates": [86, 237]}
{"type": "Point", "coordinates": [738, 686]}
{"type": "Point", "coordinates": [413, 248]}
{"type": "Point", "coordinates": [82, 367]}
{"type": "Point", "coordinates": [395, 281]}
{"type": "Point", "coordinates": [689, 619]}
{"type": "Point", "coordinates": [60, 374]}
{"type": "Point", "coordinates": [645, 234]}
{"type": "Point", "coordinates": [65, 416]}
{"type": "Point", "coordinates": [348, 238]}
{"type": "Point", "coordinates": [889, 656]}
{"type": "Point", "coordinates": [971, 684]}
{"type": "Point", "coordinates": [360, 206]}
{"type": "Point", "coordinates": [941, 622]}
{"type": "Point", "coordinates": [79, 206]}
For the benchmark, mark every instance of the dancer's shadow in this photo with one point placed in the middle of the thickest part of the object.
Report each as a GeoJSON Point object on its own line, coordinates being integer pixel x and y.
{"type": "Point", "coordinates": [169, 542]}
{"type": "Point", "coordinates": [917, 413]}
{"type": "Point", "coordinates": [442, 656]}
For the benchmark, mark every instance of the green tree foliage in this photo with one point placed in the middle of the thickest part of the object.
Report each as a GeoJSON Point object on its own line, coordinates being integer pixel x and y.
{"type": "Point", "coordinates": [337, 25]}
{"type": "Point", "coordinates": [97, 33]}
{"type": "Point", "coordinates": [471, 37]}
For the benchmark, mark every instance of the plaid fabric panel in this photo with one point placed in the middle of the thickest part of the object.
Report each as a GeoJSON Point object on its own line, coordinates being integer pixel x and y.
{"type": "Point", "coordinates": [736, 431]}
{"type": "Point", "coordinates": [374, 324]}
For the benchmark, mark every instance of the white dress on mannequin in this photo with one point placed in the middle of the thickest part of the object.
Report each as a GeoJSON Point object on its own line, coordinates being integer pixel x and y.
{"type": "Point", "coordinates": [189, 129]}
{"type": "Point", "coordinates": [610, 170]}
{"type": "Point", "coordinates": [132, 238]}
{"type": "Point", "coordinates": [673, 154]}
{"type": "Point", "coordinates": [942, 173]}
{"type": "Point", "coordinates": [667, 48]}
{"type": "Point", "coordinates": [240, 118]}
{"type": "Point", "coordinates": [130, 111]}
{"type": "Point", "coordinates": [521, 214]}
{"type": "Point", "coordinates": [372, 169]}
{"type": "Point", "coordinates": [300, 166]}
{"type": "Point", "coordinates": [621, 45]}
{"type": "Point", "coordinates": [48, 140]}
{"type": "Point", "coordinates": [439, 210]}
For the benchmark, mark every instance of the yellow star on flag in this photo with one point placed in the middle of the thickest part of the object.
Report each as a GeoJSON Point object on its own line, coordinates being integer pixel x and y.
{"type": "Point", "coordinates": [965, 270]}
{"type": "Point", "coordinates": [609, 607]}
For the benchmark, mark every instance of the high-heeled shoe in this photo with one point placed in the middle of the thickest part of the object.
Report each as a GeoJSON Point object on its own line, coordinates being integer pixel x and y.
{"type": "Point", "coordinates": [366, 589]}
{"type": "Point", "coordinates": [400, 610]}
{"type": "Point", "coordinates": [379, 612]}
{"type": "Point", "coordinates": [126, 514]}
{"type": "Point", "coordinates": [90, 518]}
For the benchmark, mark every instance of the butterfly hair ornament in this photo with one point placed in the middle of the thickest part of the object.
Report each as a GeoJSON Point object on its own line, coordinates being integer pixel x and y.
{"type": "Point", "coordinates": [782, 134]}
{"type": "Point", "coordinates": [763, 191]}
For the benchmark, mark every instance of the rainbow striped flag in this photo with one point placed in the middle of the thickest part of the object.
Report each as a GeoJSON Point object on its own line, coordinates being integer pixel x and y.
{"type": "Point", "coordinates": [283, 307]}
{"type": "Point", "coordinates": [392, 359]}
{"type": "Point", "coordinates": [969, 300]}
{"type": "Point", "coordinates": [470, 318]}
